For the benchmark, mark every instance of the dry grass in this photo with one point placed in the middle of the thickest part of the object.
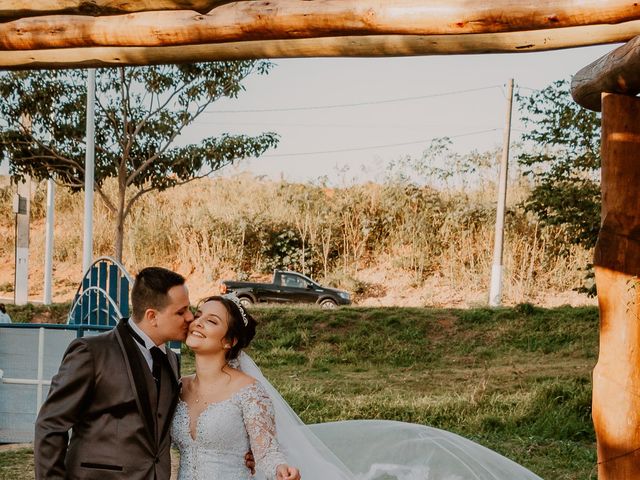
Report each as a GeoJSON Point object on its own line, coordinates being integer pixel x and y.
{"type": "Point", "coordinates": [388, 244]}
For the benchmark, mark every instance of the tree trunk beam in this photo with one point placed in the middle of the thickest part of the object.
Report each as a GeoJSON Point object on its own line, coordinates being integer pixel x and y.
{"type": "Point", "coordinates": [360, 46]}
{"type": "Point", "coordinates": [616, 72]}
{"type": "Point", "coordinates": [24, 8]}
{"type": "Point", "coordinates": [616, 377]}
{"type": "Point", "coordinates": [295, 19]}
{"type": "Point", "coordinates": [618, 246]}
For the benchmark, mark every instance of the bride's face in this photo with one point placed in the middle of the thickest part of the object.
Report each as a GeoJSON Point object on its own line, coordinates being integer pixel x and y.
{"type": "Point", "coordinates": [208, 330]}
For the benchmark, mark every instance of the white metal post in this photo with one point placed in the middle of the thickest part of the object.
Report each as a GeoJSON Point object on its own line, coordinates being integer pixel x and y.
{"type": "Point", "coordinates": [48, 242]}
{"type": "Point", "coordinates": [87, 245]}
{"type": "Point", "coordinates": [39, 392]}
{"type": "Point", "coordinates": [495, 291]}
{"type": "Point", "coordinates": [22, 207]}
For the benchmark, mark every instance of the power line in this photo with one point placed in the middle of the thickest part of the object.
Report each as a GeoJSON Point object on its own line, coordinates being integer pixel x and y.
{"type": "Point", "coordinates": [269, 124]}
{"type": "Point", "coordinates": [343, 105]}
{"type": "Point", "coordinates": [528, 88]}
{"type": "Point", "coordinates": [374, 147]}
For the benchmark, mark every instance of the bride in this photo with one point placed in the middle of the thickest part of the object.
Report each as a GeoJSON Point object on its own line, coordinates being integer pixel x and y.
{"type": "Point", "coordinates": [228, 405]}
{"type": "Point", "coordinates": [222, 412]}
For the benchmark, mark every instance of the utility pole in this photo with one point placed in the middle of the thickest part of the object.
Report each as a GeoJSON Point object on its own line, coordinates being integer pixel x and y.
{"type": "Point", "coordinates": [21, 208]}
{"type": "Point", "coordinates": [48, 238]}
{"type": "Point", "coordinates": [495, 292]}
{"type": "Point", "coordinates": [48, 242]}
{"type": "Point", "coordinates": [89, 165]}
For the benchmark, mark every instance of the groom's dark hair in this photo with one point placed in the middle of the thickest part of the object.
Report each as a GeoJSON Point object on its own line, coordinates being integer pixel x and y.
{"type": "Point", "coordinates": [150, 289]}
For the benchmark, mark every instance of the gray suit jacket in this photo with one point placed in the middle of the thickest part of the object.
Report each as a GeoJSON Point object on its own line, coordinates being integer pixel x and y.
{"type": "Point", "coordinates": [104, 393]}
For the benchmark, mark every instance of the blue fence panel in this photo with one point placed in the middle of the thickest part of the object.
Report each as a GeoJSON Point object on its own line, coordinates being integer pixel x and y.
{"type": "Point", "coordinates": [84, 303]}
{"type": "Point", "coordinates": [124, 296]}
{"type": "Point", "coordinates": [113, 290]}
{"type": "Point", "coordinates": [93, 297]}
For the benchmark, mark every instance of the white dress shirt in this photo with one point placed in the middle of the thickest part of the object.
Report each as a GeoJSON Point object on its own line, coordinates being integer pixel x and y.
{"type": "Point", "coordinates": [148, 344]}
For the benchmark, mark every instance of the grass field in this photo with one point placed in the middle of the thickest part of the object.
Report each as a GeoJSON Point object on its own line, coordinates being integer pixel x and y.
{"type": "Point", "coordinates": [515, 379]}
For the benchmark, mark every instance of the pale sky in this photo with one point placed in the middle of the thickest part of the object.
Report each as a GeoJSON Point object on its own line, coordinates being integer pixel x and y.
{"type": "Point", "coordinates": [458, 96]}
{"type": "Point", "coordinates": [473, 119]}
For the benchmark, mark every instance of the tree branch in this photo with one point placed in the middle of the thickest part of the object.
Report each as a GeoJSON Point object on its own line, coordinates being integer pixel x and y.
{"type": "Point", "coordinates": [107, 201]}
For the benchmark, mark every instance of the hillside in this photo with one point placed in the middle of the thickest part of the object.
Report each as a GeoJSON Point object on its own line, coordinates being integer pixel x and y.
{"type": "Point", "coordinates": [390, 244]}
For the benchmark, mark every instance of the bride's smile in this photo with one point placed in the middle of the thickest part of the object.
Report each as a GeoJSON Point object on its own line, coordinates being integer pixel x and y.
{"type": "Point", "coordinates": [209, 330]}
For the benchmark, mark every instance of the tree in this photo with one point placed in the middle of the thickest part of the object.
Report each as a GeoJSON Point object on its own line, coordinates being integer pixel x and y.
{"type": "Point", "coordinates": [563, 159]}
{"type": "Point", "coordinates": [140, 112]}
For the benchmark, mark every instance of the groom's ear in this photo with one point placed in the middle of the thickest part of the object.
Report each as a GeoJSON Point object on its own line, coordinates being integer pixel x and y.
{"type": "Point", "coordinates": [150, 315]}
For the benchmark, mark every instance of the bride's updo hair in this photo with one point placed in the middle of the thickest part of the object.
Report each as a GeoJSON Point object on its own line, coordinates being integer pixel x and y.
{"type": "Point", "coordinates": [241, 328]}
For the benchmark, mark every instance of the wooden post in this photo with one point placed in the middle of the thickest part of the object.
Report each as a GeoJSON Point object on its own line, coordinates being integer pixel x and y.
{"type": "Point", "coordinates": [616, 377]}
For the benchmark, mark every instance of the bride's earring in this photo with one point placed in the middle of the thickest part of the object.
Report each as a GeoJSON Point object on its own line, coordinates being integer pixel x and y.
{"type": "Point", "coordinates": [227, 346]}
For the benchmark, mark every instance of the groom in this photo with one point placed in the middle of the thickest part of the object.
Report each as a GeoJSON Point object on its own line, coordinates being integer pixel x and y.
{"type": "Point", "coordinates": [117, 392]}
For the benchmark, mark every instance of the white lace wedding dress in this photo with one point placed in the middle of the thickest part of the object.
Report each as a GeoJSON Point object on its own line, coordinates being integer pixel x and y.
{"type": "Point", "coordinates": [347, 450]}
{"type": "Point", "coordinates": [225, 431]}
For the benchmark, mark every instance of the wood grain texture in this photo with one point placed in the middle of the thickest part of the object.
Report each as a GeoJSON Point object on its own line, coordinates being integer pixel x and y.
{"type": "Point", "coordinates": [616, 377]}
{"type": "Point", "coordinates": [361, 46]}
{"type": "Point", "coordinates": [616, 72]}
{"type": "Point", "coordinates": [24, 8]}
{"type": "Point", "coordinates": [296, 19]}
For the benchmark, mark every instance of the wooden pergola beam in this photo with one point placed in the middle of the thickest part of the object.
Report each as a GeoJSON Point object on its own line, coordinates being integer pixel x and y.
{"type": "Point", "coordinates": [23, 8]}
{"type": "Point", "coordinates": [344, 46]}
{"type": "Point", "coordinates": [616, 72]}
{"type": "Point", "coordinates": [295, 19]}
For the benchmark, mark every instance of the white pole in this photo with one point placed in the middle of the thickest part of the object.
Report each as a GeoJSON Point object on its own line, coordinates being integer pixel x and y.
{"type": "Point", "coordinates": [48, 242]}
{"type": "Point", "coordinates": [87, 245]}
{"type": "Point", "coordinates": [39, 392]}
{"type": "Point", "coordinates": [22, 209]}
{"type": "Point", "coordinates": [495, 291]}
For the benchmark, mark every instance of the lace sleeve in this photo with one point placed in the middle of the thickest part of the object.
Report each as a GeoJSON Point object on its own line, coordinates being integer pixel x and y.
{"type": "Point", "coordinates": [259, 420]}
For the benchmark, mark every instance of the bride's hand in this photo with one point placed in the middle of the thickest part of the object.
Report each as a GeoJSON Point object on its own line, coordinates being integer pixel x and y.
{"type": "Point", "coordinates": [285, 472]}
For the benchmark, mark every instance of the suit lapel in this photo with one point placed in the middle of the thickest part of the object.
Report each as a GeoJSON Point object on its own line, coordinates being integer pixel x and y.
{"type": "Point", "coordinates": [136, 376]}
{"type": "Point", "coordinates": [176, 385]}
{"type": "Point", "coordinates": [175, 368]}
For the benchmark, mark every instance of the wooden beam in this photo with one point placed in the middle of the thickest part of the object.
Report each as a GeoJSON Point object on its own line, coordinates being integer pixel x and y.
{"type": "Point", "coordinates": [616, 377]}
{"type": "Point", "coordinates": [616, 72]}
{"type": "Point", "coordinates": [361, 46]}
{"type": "Point", "coordinates": [24, 8]}
{"type": "Point", "coordinates": [295, 19]}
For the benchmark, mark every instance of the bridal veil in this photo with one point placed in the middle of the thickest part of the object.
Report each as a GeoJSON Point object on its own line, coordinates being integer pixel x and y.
{"type": "Point", "coordinates": [381, 449]}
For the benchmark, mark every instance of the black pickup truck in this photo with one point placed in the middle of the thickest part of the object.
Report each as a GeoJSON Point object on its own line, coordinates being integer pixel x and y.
{"type": "Point", "coordinates": [286, 287]}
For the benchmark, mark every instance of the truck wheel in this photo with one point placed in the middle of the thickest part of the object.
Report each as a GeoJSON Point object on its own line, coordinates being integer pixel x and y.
{"type": "Point", "coordinates": [328, 303]}
{"type": "Point", "coordinates": [246, 302]}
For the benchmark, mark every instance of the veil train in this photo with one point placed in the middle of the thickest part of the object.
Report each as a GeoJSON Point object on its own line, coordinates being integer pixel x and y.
{"type": "Point", "coordinates": [380, 449]}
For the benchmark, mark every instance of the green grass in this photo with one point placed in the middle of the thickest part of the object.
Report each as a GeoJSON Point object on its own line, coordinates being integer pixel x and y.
{"type": "Point", "coordinates": [516, 380]}
{"type": "Point", "coordinates": [16, 464]}
{"type": "Point", "coordinates": [55, 313]}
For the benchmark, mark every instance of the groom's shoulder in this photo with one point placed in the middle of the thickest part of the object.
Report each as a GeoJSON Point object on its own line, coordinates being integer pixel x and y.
{"type": "Point", "coordinates": [99, 340]}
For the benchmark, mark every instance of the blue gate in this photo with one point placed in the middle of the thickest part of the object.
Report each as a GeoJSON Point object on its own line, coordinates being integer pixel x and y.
{"type": "Point", "coordinates": [102, 298]}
